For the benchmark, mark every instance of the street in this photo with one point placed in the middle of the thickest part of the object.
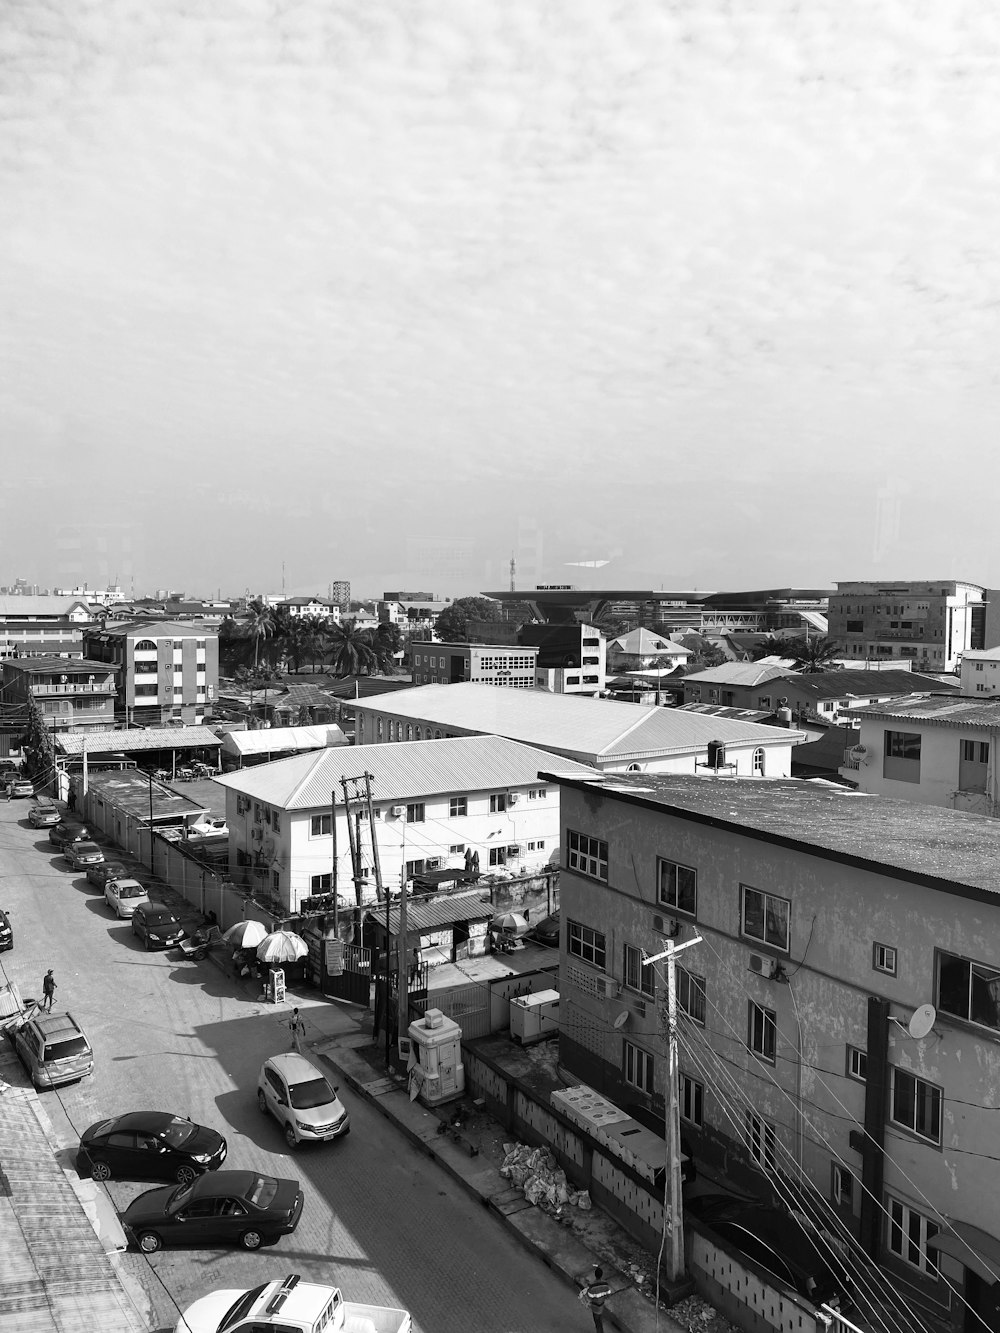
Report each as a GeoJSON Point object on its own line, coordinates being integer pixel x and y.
{"type": "Point", "coordinates": [380, 1220]}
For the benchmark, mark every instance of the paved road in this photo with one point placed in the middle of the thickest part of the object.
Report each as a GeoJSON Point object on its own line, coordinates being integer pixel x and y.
{"type": "Point", "coordinates": [380, 1219]}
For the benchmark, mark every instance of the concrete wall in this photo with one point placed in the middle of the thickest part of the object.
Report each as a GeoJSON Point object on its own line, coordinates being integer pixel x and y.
{"type": "Point", "coordinates": [940, 764]}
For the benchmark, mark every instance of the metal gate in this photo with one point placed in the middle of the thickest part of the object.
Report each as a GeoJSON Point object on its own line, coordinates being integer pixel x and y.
{"type": "Point", "coordinates": [354, 983]}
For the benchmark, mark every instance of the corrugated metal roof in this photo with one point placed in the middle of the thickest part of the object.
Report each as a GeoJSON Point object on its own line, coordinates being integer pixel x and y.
{"type": "Point", "coordinates": [643, 642]}
{"type": "Point", "coordinates": [273, 740]}
{"type": "Point", "coordinates": [867, 684]}
{"type": "Point", "coordinates": [399, 772]}
{"type": "Point", "coordinates": [591, 729]}
{"type": "Point", "coordinates": [60, 666]}
{"type": "Point", "coordinates": [739, 673]}
{"type": "Point", "coordinates": [17, 608]}
{"type": "Point", "coordinates": [437, 912]}
{"type": "Point", "coordinates": [183, 628]}
{"type": "Point", "coordinates": [961, 712]}
{"type": "Point", "coordinates": [124, 742]}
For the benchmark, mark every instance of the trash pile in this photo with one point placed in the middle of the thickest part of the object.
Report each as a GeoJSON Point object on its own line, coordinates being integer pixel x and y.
{"type": "Point", "coordinates": [535, 1171]}
{"type": "Point", "coordinates": [697, 1316]}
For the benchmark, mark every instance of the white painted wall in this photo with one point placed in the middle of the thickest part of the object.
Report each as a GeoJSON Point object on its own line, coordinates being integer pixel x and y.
{"type": "Point", "coordinates": [940, 756]}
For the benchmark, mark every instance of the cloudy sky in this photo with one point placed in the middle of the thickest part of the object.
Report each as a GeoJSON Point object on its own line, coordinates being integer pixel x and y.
{"type": "Point", "coordinates": [389, 290]}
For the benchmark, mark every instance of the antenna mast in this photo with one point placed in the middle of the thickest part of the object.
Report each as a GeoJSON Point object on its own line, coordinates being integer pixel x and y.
{"type": "Point", "coordinates": [513, 570]}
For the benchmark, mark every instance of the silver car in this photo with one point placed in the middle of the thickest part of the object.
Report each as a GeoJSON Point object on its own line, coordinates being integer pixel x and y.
{"type": "Point", "coordinates": [123, 896]}
{"type": "Point", "coordinates": [293, 1090]}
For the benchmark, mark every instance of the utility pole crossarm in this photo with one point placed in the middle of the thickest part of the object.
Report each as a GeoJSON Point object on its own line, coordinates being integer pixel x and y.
{"type": "Point", "coordinates": [670, 952]}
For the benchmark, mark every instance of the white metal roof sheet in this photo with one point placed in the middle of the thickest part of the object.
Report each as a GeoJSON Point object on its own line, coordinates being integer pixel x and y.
{"type": "Point", "coordinates": [135, 738]}
{"type": "Point", "coordinates": [270, 740]}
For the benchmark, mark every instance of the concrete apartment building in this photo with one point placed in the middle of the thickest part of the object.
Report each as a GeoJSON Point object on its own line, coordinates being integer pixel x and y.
{"type": "Point", "coordinates": [931, 623]}
{"type": "Point", "coordinates": [43, 626]}
{"type": "Point", "coordinates": [168, 671]}
{"type": "Point", "coordinates": [828, 922]}
{"type": "Point", "coordinates": [980, 672]}
{"type": "Point", "coordinates": [490, 664]}
{"type": "Point", "coordinates": [72, 695]}
{"type": "Point", "coordinates": [572, 659]}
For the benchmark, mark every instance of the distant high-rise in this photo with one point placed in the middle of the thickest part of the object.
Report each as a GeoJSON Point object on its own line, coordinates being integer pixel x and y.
{"type": "Point", "coordinates": [931, 623]}
{"type": "Point", "coordinates": [340, 592]}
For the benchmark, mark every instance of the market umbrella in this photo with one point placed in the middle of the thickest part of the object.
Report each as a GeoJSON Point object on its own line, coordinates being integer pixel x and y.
{"type": "Point", "coordinates": [282, 946]}
{"type": "Point", "coordinates": [512, 923]}
{"type": "Point", "coordinates": [245, 934]}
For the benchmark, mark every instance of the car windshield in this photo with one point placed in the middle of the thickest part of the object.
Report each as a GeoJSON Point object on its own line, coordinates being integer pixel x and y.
{"type": "Point", "coordinates": [85, 848]}
{"type": "Point", "coordinates": [177, 1132]}
{"type": "Point", "coordinates": [131, 891]}
{"type": "Point", "coordinates": [262, 1191]}
{"type": "Point", "coordinates": [241, 1308]}
{"type": "Point", "coordinates": [67, 1047]}
{"type": "Point", "coordinates": [161, 917]}
{"type": "Point", "coordinates": [181, 1195]}
{"type": "Point", "coordinates": [317, 1092]}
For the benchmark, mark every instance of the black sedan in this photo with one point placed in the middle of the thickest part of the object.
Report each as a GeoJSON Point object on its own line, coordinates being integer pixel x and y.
{"type": "Point", "coordinates": [157, 927]}
{"type": "Point", "coordinates": [150, 1145]}
{"type": "Point", "coordinates": [100, 874]}
{"type": "Point", "coordinates": [6, 932]}
{"type": "Point", "coordinates": [61, 835]}
{"type": "Point", "coordinates": [225, 1208]}
{"type": "Point", "coordinates": [546, 931]}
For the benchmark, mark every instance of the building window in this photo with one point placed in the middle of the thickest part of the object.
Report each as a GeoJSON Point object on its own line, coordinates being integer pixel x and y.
{"type": "Point", "coordinates": [915, 1105]}
{"type": "Point", "coordinates": [759, 1139]}
{"type": "Point", "coordinates": [639, 976]}
{"type": "Point", "coordinates": [637, 1067]}
{"type": "Point", "coordinates": [415, 812]}
{"type": "Point", "coordinates": [275, 882]}
{"type": "Point", "coordinates": [498, 856]}
{"type": "Point", "coordinates": [414, 868]}
{"type": "Point", "coordinates": [588, 944]}
{"type": "Point", "coordinates": [319, 826]}
{"type": "Point", "coordinates": [588, 856]}
{"type": "Point", "coordinates": [758, 763]}
{"type": "Point", "coordinates": [692, 1100]}
{"type": "Point", "coordinates": [902, 756]}
{"type": "Point", "coordinates": [677, 887]}
{"type": "Point", "coordinates": [456, 849]}
{"type": "Point", "coordinates": [762, 1031]}
{"type": "Point", "coordinates": [841, 1185]}
{"type": "Point", "coordinates": [907, 1234]}
{"type": "Point", "coordinates": [765, 918]}
{"type": "Point", "coordinates": [857, 1063]}
{"type": "Point", "coordinates": [691, 995]}
{"type": "Point", "coordinates": [884, 958]}
{"type": "Point", "coordinates": [320, 883]}
{"type": "Point", "coordinates": [968, 990]}
{"type": "Point", "coordinates": [458, 805]}
{"type": "Point", "coordinates": [498, 802]}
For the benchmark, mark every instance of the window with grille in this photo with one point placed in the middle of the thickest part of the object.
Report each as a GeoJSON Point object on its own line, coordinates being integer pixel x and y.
{"type": "Point", "coordinates": [841, 1185]}
{"type": "Point", "coordinates": [587, 944]}
{"type": "Point", "coordinates": [588, 856]}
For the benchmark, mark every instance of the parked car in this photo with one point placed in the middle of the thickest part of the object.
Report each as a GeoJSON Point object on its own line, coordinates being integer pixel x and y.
{"type": "Point", "coordinates": [82, 854]}
{"type": "Point", "coordinates": [99, 874]}
{"type": "Point", "coordinates": [6, 932]}
{"type": "Point", "coordinates": [546, 931]}
{"type": "Point", "coordinates": [224, 1208]}
{"type": "Point", "coordinates": [776, 1241]}
{"type": "Point", "coordinates": [292, 1089]}
{"type": "Point", "coordinates": [43, 814]}
{"type": "Point", "coordinates": [156, 926]}
{"type": "Point", "coordinates": [53, 1049]}
{"type": "Point", "coordinates": [150, 1145]}
{"type": "Point", "coordinates": [123, 896]}
{"type": "Point", "coordinates": [20, 787]}
{"type": "Point", "coordinates": [61, 835]}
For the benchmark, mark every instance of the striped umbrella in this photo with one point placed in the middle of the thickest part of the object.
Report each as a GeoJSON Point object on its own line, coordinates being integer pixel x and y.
{"type": "Point", "coordinates": [282, 946]}
{"type": "Point", "coordinates": [245, 934]}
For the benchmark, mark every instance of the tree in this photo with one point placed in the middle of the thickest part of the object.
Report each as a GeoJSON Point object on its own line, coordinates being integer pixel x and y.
{"type": "Point", "coordinates": [452, 625]}
{"type": "Point", "coordinates": [261, 624]}
{"type": "Point", "coordinates": [40, 750]}
{"type": "Point", "coordinates": [386, 643]}
{"type": "Point", "coordinates": [772, 646]}
{"type": "Point", "coordinates": [350, 649]}
{"type": "Point", "coordinates": [812, 655]}
{"type": "Point", "coordinates": [704, 653]}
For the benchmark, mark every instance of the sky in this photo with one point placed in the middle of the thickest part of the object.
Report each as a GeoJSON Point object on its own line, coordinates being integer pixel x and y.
{"type": "Point", "coordinates": [302, 290]}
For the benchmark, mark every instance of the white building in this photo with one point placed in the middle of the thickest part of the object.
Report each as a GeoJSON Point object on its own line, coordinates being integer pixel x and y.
{"type": "Point", "coordinates": [932, 623]}
{"type": "Point", "coordinates": [433, 803]}
{"type": "Point", "coordinates": [303, 608]}
{"type": "Point", "coordinates": [602, 733]}
{"type": "Point", "coordinates": [980, 672]}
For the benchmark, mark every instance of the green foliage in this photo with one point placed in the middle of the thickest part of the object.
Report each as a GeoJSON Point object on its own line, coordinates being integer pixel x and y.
{"type": "Point", "coordinates": [40, 750]}
{"type": "Point", "coordinates": [813, 654]}
{"type": "Point", "coordinates": [351, 651]}
{"type": "Point", "coordinates": [704, 654]}
{"type": "Point", "coordinates": [452, 625]}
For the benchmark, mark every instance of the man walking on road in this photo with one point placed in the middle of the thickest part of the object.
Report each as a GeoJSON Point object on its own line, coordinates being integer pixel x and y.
{"type": "Point", "coordinates": [297, 1028]}
{"type": "Point", "coordinates": [594, 1294]}
{"type": "Point", "coordinates": [48, 990]}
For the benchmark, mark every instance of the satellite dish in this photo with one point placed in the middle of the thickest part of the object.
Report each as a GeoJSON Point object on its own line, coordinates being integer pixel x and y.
{"type": "Point", "coordinates": [620, 1019]}
{"type": "Point", "coordinates": [921, 1021]}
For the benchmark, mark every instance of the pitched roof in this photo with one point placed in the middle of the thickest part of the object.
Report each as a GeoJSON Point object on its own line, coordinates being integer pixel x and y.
{"type": "Point", "coordinates": [135, 738]}
{"type": "Point", "coordinates": [948, 709]}
{"type": "Point", "coordinates": [862, 684]}
{"type": "Point", "coordinates": [410, 769]}
{"type": "Point", "coordinates": [739, 673]}
{"type": "Point", "coordinates": [644, 643]}
{"type": "Point", "coordinates": [592, 729]}
{"type": "Point", "coordinates": [59, 666]}
{"type": "Point", "coordinates": [727, 710]}
{"type": "Point", "coordinates": [440, 911]}
{"type": "Point", "coordinates": [981, 654]}
{"type": "Point", "coordinates": [162, 627]}
{"type": "Point", "coordinates": [274, 740]}
{"type": "Point", "coordinates": [17, 608]}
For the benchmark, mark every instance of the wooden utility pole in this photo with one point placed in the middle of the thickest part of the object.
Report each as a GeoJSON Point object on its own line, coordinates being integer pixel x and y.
{"type": "Point", "coordinates": [672, 1197]}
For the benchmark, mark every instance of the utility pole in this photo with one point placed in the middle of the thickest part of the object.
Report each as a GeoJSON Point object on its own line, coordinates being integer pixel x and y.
{"type": "Point", "coordinates": [333, 864]}
{"type": "Point", "coordinates": [672, 1198]}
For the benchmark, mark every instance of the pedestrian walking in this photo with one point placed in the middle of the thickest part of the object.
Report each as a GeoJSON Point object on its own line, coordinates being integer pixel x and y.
{"type": "Point", "coordinates": [48, 990]}
{"type": "Point", "coordinates": [297, 1028]}
{"type": "Point", "coordinates": [10, 790]}
{"type": "Point", "coordinates": [593, 1295]}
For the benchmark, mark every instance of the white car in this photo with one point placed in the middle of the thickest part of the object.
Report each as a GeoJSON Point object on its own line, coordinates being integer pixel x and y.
{"type": "Point", "coordinates": [123, 896]}
{"type": "Point", "coordinates": [293, 1090]}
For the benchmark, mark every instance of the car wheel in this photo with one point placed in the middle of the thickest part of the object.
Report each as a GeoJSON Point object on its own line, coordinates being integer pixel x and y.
{"type": "Point", "coordinates": [251, 1240]}
{"type": "Point", "coordinates": [199, 954]}
{"type": "Point", "coordinates": [261, 1101]}
{"type": "Point", "coordinates": [149, 1242]}
{"type": "Point", "coordinates": [185, 1174]}
{"type": "Point", "coordinates": [100, 1171]}
{"type": "Point", "coordinates": [290, 1138]}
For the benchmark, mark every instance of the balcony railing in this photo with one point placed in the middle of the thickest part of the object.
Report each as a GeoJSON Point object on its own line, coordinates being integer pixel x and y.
{"type": "Point", "coordinates": [70, 687]}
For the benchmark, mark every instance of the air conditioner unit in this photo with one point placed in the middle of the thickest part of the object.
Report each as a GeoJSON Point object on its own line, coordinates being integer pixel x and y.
{"type": "Point", "coordinates": [514, 850]}
{"type": "Point", "coordinates": [257, 835]}
{"type": "Point", "coordinates": [397, 810]}
{"type": "Point", "coordinates": [513, 797]}
{"type": "Point", "coordinates": [756, 963]}
{"type": "Point", "coordinates": [610, 987]}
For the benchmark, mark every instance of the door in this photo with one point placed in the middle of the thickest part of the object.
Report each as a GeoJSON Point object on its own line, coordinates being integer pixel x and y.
{"type": "Point", "coordinates": [354, 982]}
{"type": "Point", "coordinates": [195, 1224]}
{"type": "Point", "coordinates": [982, 1313]}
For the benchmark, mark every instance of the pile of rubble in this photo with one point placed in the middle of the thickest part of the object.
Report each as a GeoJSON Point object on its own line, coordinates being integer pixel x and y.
{"type": "Point", "coordinates": [535, 1171]}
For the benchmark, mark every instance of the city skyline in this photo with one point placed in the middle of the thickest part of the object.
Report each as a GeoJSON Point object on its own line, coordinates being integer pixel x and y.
{"type": "Point", "coordinates": [392, 295]}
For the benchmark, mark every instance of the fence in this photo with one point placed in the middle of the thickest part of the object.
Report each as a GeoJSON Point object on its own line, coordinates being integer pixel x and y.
{"type": "Point", "coordinates": [484, 1007]}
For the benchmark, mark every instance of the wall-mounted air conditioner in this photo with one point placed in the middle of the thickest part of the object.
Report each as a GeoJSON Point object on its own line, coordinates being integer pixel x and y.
{"type": "Point", "coordinates": [513, 797]}
{"type": "Point", "coordinates": [609, 988]}
{"type": "Point", "coordinates": [397, 810]}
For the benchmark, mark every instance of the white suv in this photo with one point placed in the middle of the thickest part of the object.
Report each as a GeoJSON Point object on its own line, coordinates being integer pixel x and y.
{"type": "Point", "coordinates": [293, 1090]}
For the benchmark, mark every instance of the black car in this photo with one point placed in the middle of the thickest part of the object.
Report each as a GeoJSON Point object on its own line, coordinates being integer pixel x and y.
{"type": "Point", "coordinates": [150, 1145]}
{"type": "Point", "coordinates": [99, 874]}
{"type": "Point", "coordinates": [157, 926]}
{"type": "Point", "coordinates": [6, 932]}
{"type": "Point", "coordinates": [546, 931]}
{"type": "Point", "coordinates": [225, 1208]}
{"type": "Point", "coordinates": [65, 833]}
{"type": "Point", "coordinates": [776, 1241]}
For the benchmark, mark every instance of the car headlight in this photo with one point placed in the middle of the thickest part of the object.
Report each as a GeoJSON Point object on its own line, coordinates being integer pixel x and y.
{"type": "Point", "coordinates": [302, 1124]}
{"type": "Point", "coordinates": [201, 1158]}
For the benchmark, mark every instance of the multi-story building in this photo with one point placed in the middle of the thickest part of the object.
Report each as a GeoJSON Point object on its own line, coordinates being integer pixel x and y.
{"type": "Point", "coordinates": [839, 1034]}
{"type": "Point", "coordinates": [491, 664]}
{"type": "Point", "coordinates": [340, 593]}
{"type": "Point", "coordinates": [434, 804]}
{"type": "Point", "coordinates": [43, 626]}
{"type": "Point", "coordinates": [980, 672]}
{"type": "Point", "coordinates": [169, 670]}
{"type": "Point", "coordinates": [826, 694]}
{"type": "Point", "coordinates": [933, 623]}
{"type": "Point", "coordinates": [72, 695]}
{"type": "Point", "coordinates": [318, 608]}
{"type": "Point", "coordinates": [572, 659]}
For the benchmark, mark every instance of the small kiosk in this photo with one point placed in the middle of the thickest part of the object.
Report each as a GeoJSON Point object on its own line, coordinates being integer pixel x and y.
{"type": "Point", "coordinates": [436, 1071]}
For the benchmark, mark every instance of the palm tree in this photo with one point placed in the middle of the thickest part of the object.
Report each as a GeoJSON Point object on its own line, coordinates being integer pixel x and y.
{"type": "Point", "coordinates": [351, 652]}
{"type": "Point", "coordinates": [313, 635]}
{"type": "Point", "coordinates": [386, 643]}
{"type": "Point", "coordinates": [261, 624]}
{"type": "Point", "coordinates": [811, 655]}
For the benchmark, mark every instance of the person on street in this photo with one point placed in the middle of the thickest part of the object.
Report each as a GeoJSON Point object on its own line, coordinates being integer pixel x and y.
{"type": "Point", "coordinates": [48, 990]}
{"type": "Point", "coordinates": [10, 790]}
{"type": "Point", "coordinates": [297, 1028]}
{"type": "Point", "coordinates": [593, 1295]}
